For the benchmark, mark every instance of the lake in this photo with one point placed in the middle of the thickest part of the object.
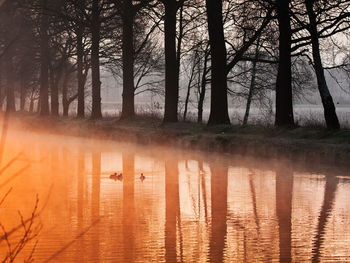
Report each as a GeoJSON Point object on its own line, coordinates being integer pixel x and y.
{"type": "Point", "coordinates": [188, 207]}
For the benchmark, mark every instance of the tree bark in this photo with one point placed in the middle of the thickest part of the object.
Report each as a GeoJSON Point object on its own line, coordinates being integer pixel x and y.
{"type": "Point", "coordinates": [203, 88]}
{"type": "Point", "coordinates": [65, 103]}
{"type": "Point", "coordinates": [95, 61]}
{"type": "Point", "coordinates": [252, 85]}
{"type": "Point", "coordinates": [44, 61]}
{"type": "Point", "coordinates": [128, 108]}
{"type": "Point", "coordinates": [189, 86]}
{"type": "Point", "coordinates": [2, 95]}
{"type": "Point", "coordinates": [22, 93]}
{"type": "Point", "coordinates": [250, 94]}
{"type": "Point", "coordinates": [284, 98]}
{"type": "Point", "coordinates": [54, 92]}
{"type": "Point", "coordinates": [80, 74]}
{"type": "Point", "coordinates": [330, 114]}
{"type": "Point", "coordinates": [31, 105]}
{"type": "Point", "coordinates": [10, 85]}
{"type": "Point", "coordinates": [171, 80]}
{"type": "Point", "coordinates": [218, 104]}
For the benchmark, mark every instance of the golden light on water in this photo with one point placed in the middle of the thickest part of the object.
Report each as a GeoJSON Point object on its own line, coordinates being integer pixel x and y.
{"type": "Point", "coordinates": [189, 208]}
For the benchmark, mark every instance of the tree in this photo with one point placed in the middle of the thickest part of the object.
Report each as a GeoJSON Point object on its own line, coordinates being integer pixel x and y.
{"type": "Point", "coordinates": [129, 12]}
{"type": "Point", "coordinates": [96, 112]}
{"type": "Point", "coordinates": [218, 104]}
{"type": "Point", "coordinates": [79, 29]}
{"type": "Point", "coordinates": [10, 17]}
{"type": "Point", "coordinates": [128, 16]}
{"type": "Point", "coordinates": [327, 101]}
{"type": "Point", "coordinates": [171, 62]}
{"type": "Point", "coordinates": [44, 60]}
{"type": "Point", "coordinates": [284, 96]}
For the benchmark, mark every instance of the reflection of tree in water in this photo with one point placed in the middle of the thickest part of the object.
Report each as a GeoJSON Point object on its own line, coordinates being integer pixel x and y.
{"type": "Point", "coordinates": [255, 209]}
{"type": "Point", "coordinates": [95, 201]}
{"type": "Point", "coordinates": [80, 203]}
{"type": "Point", "coordinates": [172, 213]}
{"type": "Point", "coordinates": [128, 207]}
{"type": "Point", "coordinates": [284, 196]}
{"type": "Point", "coordinates": [326, 210]}
{"type": "Point", "coordinates": [204, 190]}
{"type": "Point", "coordinates": [219, 182]}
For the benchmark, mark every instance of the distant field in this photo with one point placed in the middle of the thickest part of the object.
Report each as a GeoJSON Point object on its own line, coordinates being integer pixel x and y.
{"type": "Point", "coordinates": [310, 115]}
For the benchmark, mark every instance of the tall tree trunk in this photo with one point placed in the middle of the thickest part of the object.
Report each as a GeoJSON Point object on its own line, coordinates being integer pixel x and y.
{"type": "Point", "coordinates": [284, 97]}
{"type": "Point", "coordinates": [189, 86]}
{"type": "Point", "coordinates": [330, 114]}
{"type": "Point", "coordinates": [95, 61]}
{"type": "Point", "coordinates": [203, 88]}
{"type": "Point", "coordinates": [44, 61]}
{"type": "Point", "coordinates": [80, 68]}
{"type": "Point", "coordinates": [31, 104]}
{"type": "Point", "coordinates": [65, 102]}
{"type": "Point", "coordinates": [179, 44]}
{"type": "Point", "coordinates": [128, 108]}
{"type": "Point", "coordinates": [10, 85]}
{"type": "Point", "coordinates": [252, 85]}
{"type": "Point", "coordinates": [54, 92]}
{"type": "Point", "coordinates": [218, 103]}
{"type": "Point", "coordinates": [250, 94]}
{"type": "Point", "coordinates": [1, 84]}
{"type": "Point", "coordinates": [187, 97]}
{"type": "Point", "coordinates": [22, 93]}
{"type": "Point", "coordinates": [171, 80]}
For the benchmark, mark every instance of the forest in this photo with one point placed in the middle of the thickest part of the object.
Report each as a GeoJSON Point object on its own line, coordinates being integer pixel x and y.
{"type": "Point", "coordinates": [52, 54]}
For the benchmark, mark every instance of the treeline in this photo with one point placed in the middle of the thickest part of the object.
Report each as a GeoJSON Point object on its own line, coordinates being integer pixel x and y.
{"type": "Point", "coordinates": [52, 50]}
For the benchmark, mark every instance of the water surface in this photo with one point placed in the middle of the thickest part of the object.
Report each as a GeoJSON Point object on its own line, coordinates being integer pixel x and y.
{"type": "Point", "coordinates": [190, 207]}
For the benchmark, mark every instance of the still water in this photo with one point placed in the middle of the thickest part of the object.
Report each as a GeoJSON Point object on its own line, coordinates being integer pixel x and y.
{"type": "Point", "coordinates": [189, 207]}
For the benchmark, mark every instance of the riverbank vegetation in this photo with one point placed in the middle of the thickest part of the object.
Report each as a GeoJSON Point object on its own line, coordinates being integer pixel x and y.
{"type": "Point", "coordinates": [309, 143]}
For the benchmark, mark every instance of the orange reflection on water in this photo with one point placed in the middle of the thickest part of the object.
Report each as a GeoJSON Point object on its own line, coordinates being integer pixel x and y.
{"type": "Point", "coordinates": [189, 207]}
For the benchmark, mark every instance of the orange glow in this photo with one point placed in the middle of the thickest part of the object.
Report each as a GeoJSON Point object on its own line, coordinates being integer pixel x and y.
{"type": "Point", "coordinates": [189, 208]}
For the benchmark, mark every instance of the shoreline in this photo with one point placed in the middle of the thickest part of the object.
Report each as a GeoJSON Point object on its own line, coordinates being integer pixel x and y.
{"type": "Point", "coordinates": [301, 143]}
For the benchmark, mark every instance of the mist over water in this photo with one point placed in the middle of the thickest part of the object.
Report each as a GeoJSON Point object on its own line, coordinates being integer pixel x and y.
{"type": "Point", "coordinates": [190, 207]}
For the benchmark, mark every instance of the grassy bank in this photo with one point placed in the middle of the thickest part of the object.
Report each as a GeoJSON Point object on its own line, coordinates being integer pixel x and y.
{"type": "Point", "coordinates": [318, 145]}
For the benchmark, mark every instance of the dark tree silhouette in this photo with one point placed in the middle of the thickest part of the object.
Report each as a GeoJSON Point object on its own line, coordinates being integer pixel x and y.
{"type": "Point", "coordinates": [80, 8]}
{"type": "Point", "coordinates": [284, 97]}
{"type": "Point", "coordinates": [218, 104]}
{"type": "Point", "coordinates": [96, 112]}
{"type": "Point", "coordinates": [171, 64]}
{"type": "Point", "coordinates": [44, 60]}
{"type": "Point", "coordinates": [128, 15]}
{"type": "Point", "coordinates": [330, 115]}
{"type": "Point", "coordinates": [10, 83]}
